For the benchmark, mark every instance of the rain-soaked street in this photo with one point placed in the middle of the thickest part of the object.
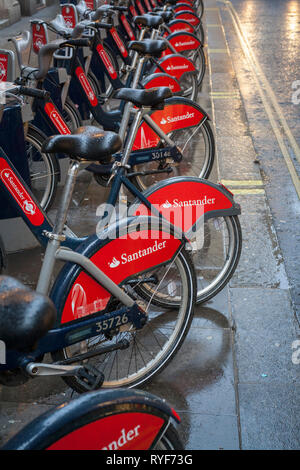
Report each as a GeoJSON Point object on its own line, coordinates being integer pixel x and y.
{"type": "Point", "coordinates": [235, 380]}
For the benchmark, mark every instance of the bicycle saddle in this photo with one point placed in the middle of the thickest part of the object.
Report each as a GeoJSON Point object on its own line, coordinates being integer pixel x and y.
{"type": "Point", "coordinates": [86, 143]}
{"type": "Point", "coordinates": [165, 15]}
{"type": "Point", "coordinates": [149, 47]}
{"type": "Point", "coordinates": [152, 97]}
{"type": "Point", "coordinates": [151, 21]}
{"type": "Point", "coordinates": [25, 316]}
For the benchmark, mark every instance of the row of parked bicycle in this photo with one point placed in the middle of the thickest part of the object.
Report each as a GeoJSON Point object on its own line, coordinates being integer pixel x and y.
{"type": "Point", "coordinates": [123, 302]}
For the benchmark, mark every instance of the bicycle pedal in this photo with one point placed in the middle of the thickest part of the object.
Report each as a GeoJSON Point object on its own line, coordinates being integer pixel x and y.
{"type": "Point", "coordinates": [90, 378]}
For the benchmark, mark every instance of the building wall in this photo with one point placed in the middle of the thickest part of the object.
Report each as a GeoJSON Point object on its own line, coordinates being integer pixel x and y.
{"type": "Point", "coordinates": [12, 10]}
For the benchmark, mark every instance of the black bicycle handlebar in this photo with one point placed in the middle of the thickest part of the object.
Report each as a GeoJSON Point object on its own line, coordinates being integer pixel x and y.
{"type": "Point", "coordinates": [32, 92]}
{"type": "Point", "coordinates": [82, 42]}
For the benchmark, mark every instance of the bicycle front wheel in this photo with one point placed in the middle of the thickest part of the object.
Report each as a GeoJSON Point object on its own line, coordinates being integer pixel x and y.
{"type": "Point", "coordinates": [150, 349]}
{"type": "Point", "coordinates": [43, 168]}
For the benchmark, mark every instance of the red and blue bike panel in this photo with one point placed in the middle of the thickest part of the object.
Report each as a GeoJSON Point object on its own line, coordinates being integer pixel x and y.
{"type": "Point", "coordinates": [183, 7]}
{"type": "Point", "coordinates": [182, 42]}
{"type": "Point", "coordinates": [77, 295]}
{"type": "Point", "coordinates": [177, 26]}
{"type": "Point", "coordinates": [187, 15]}
{"type": "Point", "coordinates": [69, 14]}
{"type": "Point", "coordinates": [178, 113]}
{"type": "Point", "coordinates": [39, 34]}
{"type": "Point", "coordinates": [162, 79]}
{"type": "Point", "coordinates": [21, 199]}
{"type": "Point", "coordinates": [187, 201]}
{"type": "Point", "coordinates": [7, 66]}
{"type": "Point", "coordinates": [175, 65]}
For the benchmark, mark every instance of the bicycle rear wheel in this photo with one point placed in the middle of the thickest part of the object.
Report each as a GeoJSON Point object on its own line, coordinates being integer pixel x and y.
{"type": "Point", "coordinates": [198, 149]}
{"type": "Point", "coordinates": [216, 261]}
{"type": "Point", "coordinates": [170, 440]}
{"type": "Point", "coordinates": [151, 348]}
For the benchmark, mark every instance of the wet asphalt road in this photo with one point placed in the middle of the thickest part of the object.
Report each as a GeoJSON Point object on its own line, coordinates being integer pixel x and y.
{"type": "Point", "coordinates": [233, 382]}
{"type": "Point", "coordinates": [273, 32]}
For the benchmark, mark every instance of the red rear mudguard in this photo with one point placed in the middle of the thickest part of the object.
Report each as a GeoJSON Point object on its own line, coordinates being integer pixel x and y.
{"type": "Point", "coordinates": [182, 41]}
{"type": "Point", "coordinates": [180, 25]}
{"type": "Point", "coordinates": [175, 65]}
{"type": "Point", "coordinates": [162, 79]}
{"type": "Point", "coordinates": [131, 246]}
{"type": "Point", "coordinates": [187, 202]}
{"type": "Point", "coordinates": [188, 16]}
{"type": "Point", "coordinates": [178, 113]}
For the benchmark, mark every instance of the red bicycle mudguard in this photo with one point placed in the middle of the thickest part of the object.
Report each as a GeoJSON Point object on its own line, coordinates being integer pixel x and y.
{"type": "Point", "coordinates": [175, 65]}
{"type": "Point", "coordinates": [133, 431]}
{"type": "Point", "coordinates": [186, 15]}
{"type": "Point", "coordinates": [187, 201]}
{"type": "Point", "coordinates": [182, 41]}
{"type": "Point", "coordinates": [161, 79]}
{"type": "Point", "coordinates": [184, 7]}
{"type": "Point", "coordinates": [178, 113]}
{"type": "Point", "coordinates": [179, 26]}
{"type": "Point", "coordinates": [120, 419]}
{"type": "Point", "coordinates": [132, 246]}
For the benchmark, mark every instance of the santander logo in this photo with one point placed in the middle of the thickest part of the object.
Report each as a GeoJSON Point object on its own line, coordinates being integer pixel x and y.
{"type": "Point", "coordinates": [56, 118]}
{"type": "Point", "coordinates": [86, 86]}
{"type": "Point", "coordinates": [128, 258]}
{"type": "Point", "coordinates": [20, 194]}
{"type": "Point", "coordinates": [177, 67]}
{"type": "Point", "coordinates": [187, 43]}
{"type": "Point", "coordinates": [191, 202]}
{"type": "Point", "coordinates": [114, 263]}
{"type": "Point", "coordinates": [171, 119]}
{"type": "Point", "coordinates": [118, 42]}
{"type": "Point", "coordinates": [105, 59]}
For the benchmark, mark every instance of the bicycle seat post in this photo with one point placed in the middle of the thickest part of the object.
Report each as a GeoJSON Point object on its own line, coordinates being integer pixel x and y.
{"type": "Point", "coordinates": [56, 237]}
{"type": "Point", "coordinates": [128, 106]}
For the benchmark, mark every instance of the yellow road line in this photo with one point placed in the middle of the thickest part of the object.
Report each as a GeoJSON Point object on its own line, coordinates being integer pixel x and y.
{"type": "Point", "coordinates": [218, 51]}
{"type": "Point", "coordinates": [242, 182]}
{"type": "Point", "coordinates": [248, 191]}
{"type": "Point", "coordinates": [228, 94]}
{"type": "Point", "coordinates": [266, 96]}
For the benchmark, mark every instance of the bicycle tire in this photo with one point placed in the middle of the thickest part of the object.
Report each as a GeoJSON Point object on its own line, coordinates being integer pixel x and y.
{"type": "Point", "coordinates": [34, 139]}
{"type": "Point", "coordinates": [191, 165]}
{"type": "Point", "coordinates": [172, 328]}
{"type": "Point", "coordinates": [208, 283]}
{"type": "Point", "coordinates": [71, 115]}
{"type": "Point", "coordinates": [198, 58]}
{"type": "Point", "coordinates": [170, 440]}
{"type": "Point", "coordinates": [189, 86]}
